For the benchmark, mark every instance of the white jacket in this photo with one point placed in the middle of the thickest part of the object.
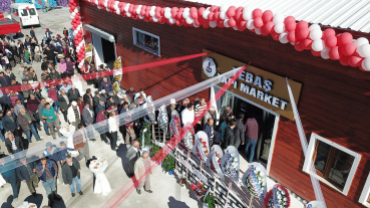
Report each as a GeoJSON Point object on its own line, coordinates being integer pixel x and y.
{"type": "Point", "coordinates": [112, 122]}
{"type": "Point", "coordinates": [71, 114]}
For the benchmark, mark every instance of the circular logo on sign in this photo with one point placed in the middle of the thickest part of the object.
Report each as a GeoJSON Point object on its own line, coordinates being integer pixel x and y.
{"type": "Point", "coordinates": [209, 67]}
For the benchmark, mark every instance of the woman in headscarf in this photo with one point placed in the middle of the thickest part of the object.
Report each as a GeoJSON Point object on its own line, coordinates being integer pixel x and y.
{"type": "Point", "coordinates": [48, 34]}
{"type": "Point", "coordinates": [66, 52]}
{"type": "Point", "coordinates": [38, 54]}
{"type": "Point", "coordinates": [10, 56]}
{"type": "Point", "coordinates": [69, 67]}
{"type": "Point", "coordinates": [32, 75]}
{"type": "Point", "coordinates": [14, 51]}
{"type": "Point", "coordinates": [63, 68]}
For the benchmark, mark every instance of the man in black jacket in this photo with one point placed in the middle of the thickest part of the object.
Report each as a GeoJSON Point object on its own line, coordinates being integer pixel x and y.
{"type": "Point", "coordinates": [10, 124]}
{"type": "Point", "coordinates": [32, 32]}
{"type": "Point", "coordinates": [71, 174]}
{"type": "Point", "coordinates": [44, 64]}
{"type": "Point", "coordinates": [13, 144]}
{"type": "Point", "coordinates": [229, 137]}
{"type": "Point", "coordinates": [239, 131]}
{"type": "Point", "coordinates": [27, 174]}
{"type": "Point", "coordinates": [210, 131]}
{"type": "Point", "coordinates": [63, 103]}
{"type": "Point", "coordinates": [4, 80]}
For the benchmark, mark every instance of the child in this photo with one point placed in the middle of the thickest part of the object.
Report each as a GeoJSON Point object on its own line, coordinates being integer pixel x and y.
{"type": "Point", "coordinates": [27, 56]}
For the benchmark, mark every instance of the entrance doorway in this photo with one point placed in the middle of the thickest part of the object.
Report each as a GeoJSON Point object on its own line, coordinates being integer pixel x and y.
{"type": "Point", "coordinates": [105, 51]}
{"type": "Point", "coordinates": [267, 125]}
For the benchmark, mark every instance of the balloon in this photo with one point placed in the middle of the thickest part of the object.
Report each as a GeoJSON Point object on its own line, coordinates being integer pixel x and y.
{"type": "Point", "coordinates": [331, 41]}
{"type": "Point", "coordinates": [216, 16]}
{"type": "Point", "coordinates": [194, 13]}
{"type": "Point", "coordinates": [349, 49]}
{"type": "Point", "coordinates": [278, 18]}
{"type": "Point", "coordinates": [334, 53]}
{"type": "Point", "coordinates": [279, 27]}
{"type": "Point", "coordinates": [274, 35]}
{"type": "Point", "coordinates": [354, 61]}
{"type": "Point", "coordinates": [314, 26]}
{"type": "Point", "coordinates": [345, 38]}
{"type": "Point", "coordinates": [232, 22]}
{"type": "Point", "coordinates": [315, 53]}
{"type": "Point", "coordinates": [213, 24]}
{"type": "Point", "coordinates": [242, 25]}
{"type": "Point", "coordinates": [289, 19]}
{"type": "Point", "coordinates": [257, 13]}
{"type": "Point", "coordinates": [327, 33]}
{"type": "Point", "coordinates": [226, 23]}
{"type": "Point", "coordinates": [247, 14]}
{"type": "Point", "coordinates": [361, 41]}
{"type": "Point", "coordinates": [231, 12]}
{"type": "Point", "coordinates": [220, 23]}
{"type": "Point", "coordinates": [205, 23]}
{"type": "Point", "coordinates": [258, 31]}
{"type": "Point", "coordinates": [303, 33]}
{"type": "Point", "coordinates": [364, 50]}
{"type": "Point", "coordinates": [267, 16]}
{"type": "Point", "coordinates": [306, 43]}
{"type": "Point", "coordinates": [267, 28]}
{"type": "Point", "coordinates": [258, 22]}
{"type": "Point", "coordinates": [213, 8]}
{"type": "Point", "coordinates": [211, 16]}
{"type": "Point", "coordinates": [325, 53]}
{"type": "Point", "coordinates": [283, 38]}
{"type": "Point", "coordinates": [344, 60]}
{"type": "Point", "coordinates": [301, 24]}
{"type": "Point", "coordinates": [290, 26]}
{"type": "Point", "coordinates": [298, 46]}
{"type": "Point", "coordinates": [317, 45]}
{"type": "Point", "coordinates": [205, 14]}
{"type": "Point", "coordinates": [366, 64]}
{"type": "Point", "coordinates": [250, 24]}
{"type": "Point", "coordinates": [200, 10]}
{"type": "Point", "coordinates": [291, 36]}
{"type": "Point", "coordinates": [316, 34]}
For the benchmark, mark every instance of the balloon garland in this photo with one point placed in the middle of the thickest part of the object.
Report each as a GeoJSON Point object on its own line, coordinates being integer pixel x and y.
{"type": "Point", "coordinates": [327, 44]}
{"type": "Point", "coordinates": [77, 31]}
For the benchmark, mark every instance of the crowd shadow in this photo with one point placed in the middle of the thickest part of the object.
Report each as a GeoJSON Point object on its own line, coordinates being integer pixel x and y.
{"type": "Point", "coordinates": [121, 153]}
{"type": "Point", "coordinates": [8, 203]}
{"type": "Point", "coordinates": [173, 203]}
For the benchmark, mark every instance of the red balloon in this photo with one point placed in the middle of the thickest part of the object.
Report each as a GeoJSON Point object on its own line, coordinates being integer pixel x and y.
{"type": "Point", "coordinates": [301, 24]}
{"type": "Point", "coordinates": [290, 26]}
{"type": "Point", "coordinates": [298, 46]}
{"type": "Point", "coordinates": [216, 16]}
{"type": "Point", "coordinates": [289, 19]}
{"type": "Point", "coordinates": [205, 23]}
{"type": "Point", "coordinates": [211, 16]}
{"type": "Point", "coordinates": [231, 11]}
{"type": "Point", "coordinates": [334, 53]}
{"type": "Point", "coordinates": [232, 22]}
{"type": "Point", "coordinates": [306, 43]}
{"type": "Point", "coordinates": [303, 32]}
{"type": "Point", "coordinates": [267, 28]}
{"type": "Point", "coordinates": [331, 41]}
{"type": "Point", "coordinates": [345, 38]}
{"type": "Point", "coordinates": [142, 11]}
{"type": "Point", "coordinates": [315, 53]}
{"type": "Point", "coordinates": [349, 49]}
{"type": "Point", "coordinates": [291, 36]}
{"type": "Point", "coordinates": [257, 13]}
{"type": "Point", "coordinates": [258, 22]}
{"type": "Point", "coordinates": [267, 16]}
{"type": "Point", "coordinates": [327, 33]}
{"type": "Point", "coordinates": [197, 22]}
{"type": "Point", "coordinates": [213, 8]}
{"type": "Point", "coordinates": [239, 14]}
{"type": "Point", "coordinates": [200, 10]}
{"type": "Point", "coordinates": [220, 23]}
{"type": "Point", "coordinates": [355, 61]}
{"type": "Point", "coordinates": [274, 35]}
{"type": "Point", "coordinates": [194, 13]}
{"type": "Point", "coordinates": [179, 14]}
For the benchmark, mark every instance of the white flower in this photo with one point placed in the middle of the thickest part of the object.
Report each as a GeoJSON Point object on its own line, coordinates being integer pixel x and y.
{"type": "Point", "coordinates": [285, 198]}
{"type": "Point", "coordinates": [279, 196]}
{"type": "Point", "coordinates": [283, 192]}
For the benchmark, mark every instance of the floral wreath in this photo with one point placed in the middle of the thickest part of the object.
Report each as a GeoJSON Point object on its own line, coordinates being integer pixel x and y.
{"type": "Point", "coordinates": [278, 196]}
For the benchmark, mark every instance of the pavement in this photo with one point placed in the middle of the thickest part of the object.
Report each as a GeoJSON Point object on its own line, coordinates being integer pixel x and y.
{"type": "Point", "coordinates": [166, 191]}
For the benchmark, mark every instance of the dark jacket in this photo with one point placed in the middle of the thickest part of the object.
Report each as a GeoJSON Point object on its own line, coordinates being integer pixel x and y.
{"type": "Point", "coordinates": [67, 173]}
{"type": "Point", "coordinates": [11, 76]}
{"type": "Point", "coordinates": [106, 86]}
{"type": "Point", "coordinates": [44, 65]}
{"type": "Point", "coordinates": [6, 99]}
{"type": "Point", "coordinates": [69, 67]}
{"type": "Point", "coordinates": [18, 143]}
{"type": "Point", "coordinates": [51, 169]}
{"type": "Point", "coordinates": [207, 129]}
{"type": "Point", "coordinates": [239, 132]}
{"type": "Point", "coordinates": [3, 83]}
{"type": "Point", "coordinates": [99, 108]}
{"type": "Point", "coordinates": [22, 172]}
{"type": "Point", "coordinates": [23, 121]}
{"type": "Point", "coordinates": [229, 137]}
{"type": "Point", "coordinates": [55, 155]}
{"type": "Point", "coordinates": [56, 75]}
{"type": "Point", "coordinates": [10, 125]}
{"type": "Point", "coordinates": [62, 102]}
{"type": "Point", "coordinates": [86, 99]}
{"type": "Point", "coordinates": [32, 33]}
{"type": "Point", "coordinates": [73, 95]}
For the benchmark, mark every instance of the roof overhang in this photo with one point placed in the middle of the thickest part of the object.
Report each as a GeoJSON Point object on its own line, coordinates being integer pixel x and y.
{"type": "Point", "coordinates": [100, 33]}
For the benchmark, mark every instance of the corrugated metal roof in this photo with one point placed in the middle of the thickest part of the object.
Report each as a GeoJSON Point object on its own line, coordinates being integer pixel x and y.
{"type": "Point", "coordinates": [347, 14]}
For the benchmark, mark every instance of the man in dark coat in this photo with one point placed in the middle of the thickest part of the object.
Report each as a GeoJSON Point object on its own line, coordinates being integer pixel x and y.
{"type": "Point", "coordinates": [64, 103]}
{"type": "Point", "coordinates": [44, 64]}
{"type": "Point", "coordinates": [17, 142]}
{"type": "Point", "coordinates": [87, 98]}
{"type": "Point", "coordinates": [73, 94]}
{"type": "Point", "coordinates": [229, 137]}
{"type": "Point", "coordinates": [71, 174]}
{"type": "Point", "coordinates": [100, 106]}
{"type": "Point", "coordinates": [239, 131]}
{"type": "Point", "coordinates": [133, 153]}
{"type": "Point", "coordinates": [10, 124]}
{"type": "Point", "coordinates": [4, 80]}
{"type": "Point", "coordinates": [27, 174]}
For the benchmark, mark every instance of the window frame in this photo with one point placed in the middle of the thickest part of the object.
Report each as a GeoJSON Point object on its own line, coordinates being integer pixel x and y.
{"type": "Point", "coordinates": [311, 150]}
{"type": "Point", "coordinates": [27, 13]}
{"type": "Point", "coordinates": [365, 193]}
{"type": "Point", "coordinates": [134, 39]}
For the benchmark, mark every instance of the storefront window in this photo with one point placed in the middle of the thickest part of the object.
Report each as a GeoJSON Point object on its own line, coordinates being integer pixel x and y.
{"type": "Point", "coordinates": [146, 41]}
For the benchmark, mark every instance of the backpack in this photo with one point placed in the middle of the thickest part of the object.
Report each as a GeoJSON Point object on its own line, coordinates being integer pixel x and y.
{"type": "Point", "coordinates": [10, 56]}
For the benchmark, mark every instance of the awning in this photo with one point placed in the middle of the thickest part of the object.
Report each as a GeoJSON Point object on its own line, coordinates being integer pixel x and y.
{"type": "Point", "coordinates": [100, 33]}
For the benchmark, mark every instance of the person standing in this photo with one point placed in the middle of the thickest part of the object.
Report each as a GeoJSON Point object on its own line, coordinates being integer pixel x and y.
{"type": "Point", "coordinates": [69, 67]}
{"type": "Point", "coordinates": [13, 144]}
{"type": "Point", "coordinates": [87, 98]}
{"type": "Point", "coordinates": [106, 85]}
{"type": "Point", "coordinates": [25, 120]}
{"type": "Point", "coordinates": [52, 120]}
{"type": "Point", "coordinates": [27, 174]}
{"type": "Point", "coordinates": [88, 118]}
{"type": "Point", "coordinates": [53, 94]}
{"type": "Point", "coordinates": [71, 174]}
{"type": "Point", "coordinates": [113, 130]}
{"type": "Point", "coordinates": [80, 142]}
{"type": "Point", "coordinates": [4, 80]}
{"type": "Point", "coordinates": [11, 125]}
{"type": "Point", "coordinates": [47, 171]}
{"type": "Point", "coordinates": [102, 125]}
{"type": "Point", "coordinates": [27, 56]}
{"type": "Point", "coordinates": [133, 153]}
{"type": "Point", "coordinates": [100, 106]}
{"type": "Point", "coordinates": [7, 169]}
{"type": "Point", "coordinates": [187, 115]}
{"type": "Point", "coordinates": [32, 106]}
{"type": "Point", "coordinates": [63, 103]}
{"type": "Point", "coordinates": [142, 166]}
{"type": "Point", "coordinates": [40, 108]}
{"type": "Point", "coordinates": [210, 131]}
{"type": "Point", "coordinates": [32, 32]}
{"type": "Point", "coordinates": [65, 33]}
{"type": "Point", "coordinates": [251, 130]}
{"type": "Point", "coordinates": [73, 93]}
{"type": "Point", "coordinates": [229, 137]}
{"type": "Point", "coordinates": [74, 115]}
{"type": "Point", "coordinates": [239, 131]}
{"type": "Point", "coordinates": [17, 108]}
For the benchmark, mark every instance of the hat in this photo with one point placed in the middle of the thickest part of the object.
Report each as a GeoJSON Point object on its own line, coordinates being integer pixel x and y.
{"type": "Point", "coordinates": [74, 103]}
{"type": "Point", "coordinates": [101, 99]}
{"type": "Point", "coordinates": [73, 86]}
{"type": "Point", "coordinates": [110, 93]}
{"type": "Point", "coordinates": [49, 144]}
{"type": "Point", "coordinates": [173, 101]}
{"type": "Point", "coordinates": [96, 92]}
{"type": "Point", "coordinates": [102, 91]}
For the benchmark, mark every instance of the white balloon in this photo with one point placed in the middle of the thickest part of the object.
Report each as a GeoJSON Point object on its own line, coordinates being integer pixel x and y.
{"type": "Point", "coordinates": [141, 16]}
{"type": "Point", "coordinates": [278, 18]}
{"type": "Point", "coordinates": [279, 27]}
{"type": "Point", "coordinates": [223, 15]}
{"type": "Point", "coordinates": [138, 10]}
{"type": "Point", "coordinates": [226, 23]}
{"type": "Point", "coordinates": [318, 45]}
{"type": "Point", "coordinates": [155, 19]}
{"type": "Point", "coordinates": [366, 64]}
{"type": "Point", "coordinates": [314, 26]}
{"type": "Point", "coordinates": [283, 38]}
{"type": "Point", "coordinates": [206, 13]}
{"type": "Point", "coordinates": [247, 13]}
{"type": "Point", "coordinates": [152, 11]}
{"type": "Point", "coordinates": [325, 53]}
{"type": "Point", "coordinates": [186, 13]}
{"type": "Point", "coordinates": [224, 8]}
{"type": "Point", "coordinates": [258, 31]}
{"type": "Point", "coordinates": [213, 24]}
{"type": "Point", "coordinates": [235, 28]}
{"type": "Point", "coordinates": [365, 50]}
{"type": "Point", "coordinates": [167, 15]}
{"type": "Point", "coordinates": [126, 7]}
{"type": "Point", "coordinates": [196, 26]}
{"type": "Point", "coordinates": [189, 20]}
{"type": "Point", "coordinates": [118, 11]}
{"type": "Point", "coordinates": [128, 14]}
{"type": "Point", "coordinates": [292, 43]}
{"type": "Point", "coordinates": [250, 24]}
{"type": "Point", "coordinates": [316, 34]}
{"type": "Point", "coordinates": [167, 9]}
{"type": "Point", "coordinates": [361, 41]}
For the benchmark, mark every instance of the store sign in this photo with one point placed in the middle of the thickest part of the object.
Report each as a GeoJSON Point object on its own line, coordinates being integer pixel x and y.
{"type": "Point", "coordinates": [259, 86]}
